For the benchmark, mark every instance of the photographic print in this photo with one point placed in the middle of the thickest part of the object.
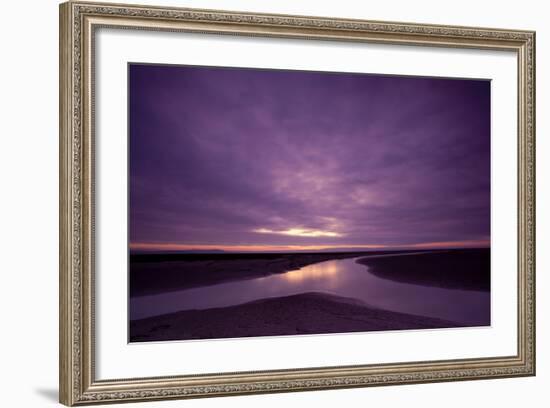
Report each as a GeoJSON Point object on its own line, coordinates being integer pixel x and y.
{"type": "Point", "coordinates": [281, 202]}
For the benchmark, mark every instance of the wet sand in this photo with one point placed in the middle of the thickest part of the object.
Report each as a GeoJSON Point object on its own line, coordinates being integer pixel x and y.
{"type": "Point", "coordinates": [307, 313]}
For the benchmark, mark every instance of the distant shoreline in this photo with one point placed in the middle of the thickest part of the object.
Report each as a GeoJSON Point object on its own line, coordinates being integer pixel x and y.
{"type": "Point", "coordinates": [160, 273]}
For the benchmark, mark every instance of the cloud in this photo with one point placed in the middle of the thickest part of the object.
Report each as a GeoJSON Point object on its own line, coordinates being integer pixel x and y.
{"type": "Point", "coordinates": [217, 155]}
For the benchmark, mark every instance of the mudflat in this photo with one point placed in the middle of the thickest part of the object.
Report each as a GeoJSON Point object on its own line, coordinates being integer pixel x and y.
{"type": "Point", "coordinates": [306, 313]}
{"type": "Point", "coordinates": [465, 269]}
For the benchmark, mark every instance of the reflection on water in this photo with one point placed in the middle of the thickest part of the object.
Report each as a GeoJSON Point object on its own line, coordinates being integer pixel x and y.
{"type": "Point", "coordinates": [325, 271]}
{"type": "Point", "coordinates": [339, 277]}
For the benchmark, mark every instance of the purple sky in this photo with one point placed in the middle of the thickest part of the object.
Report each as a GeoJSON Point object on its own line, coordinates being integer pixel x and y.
{"type": "Point", "coordinates": [262, 159]}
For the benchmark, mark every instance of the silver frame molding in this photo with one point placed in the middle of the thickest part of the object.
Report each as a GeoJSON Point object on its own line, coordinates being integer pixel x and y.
{"type": "Point", "coordinates": [78, 22]}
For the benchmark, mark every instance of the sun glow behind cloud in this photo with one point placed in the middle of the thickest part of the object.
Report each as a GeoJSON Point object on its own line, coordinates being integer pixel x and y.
{"type": "Point", "coordinates": [299, 232]}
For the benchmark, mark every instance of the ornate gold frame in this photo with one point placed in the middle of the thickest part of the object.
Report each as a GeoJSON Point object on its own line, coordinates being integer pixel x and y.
{"type": "Point", "coordinates": [78, 21]}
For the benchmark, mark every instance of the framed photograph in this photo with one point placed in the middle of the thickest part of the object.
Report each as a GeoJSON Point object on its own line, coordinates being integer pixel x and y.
{"type": "Point", "coordinates": [256, 203]}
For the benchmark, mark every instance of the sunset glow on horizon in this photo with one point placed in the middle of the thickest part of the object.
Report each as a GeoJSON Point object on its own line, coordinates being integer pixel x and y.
{"type": "Point", "coordinates": [172, 247]}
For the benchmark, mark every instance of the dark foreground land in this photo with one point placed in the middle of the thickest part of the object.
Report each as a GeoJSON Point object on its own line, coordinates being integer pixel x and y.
{"type": "Point", "coordinates": [466, 269]}
{"type": "Point", "coordinates": [306, 313]}
{"type": "Point", "coordinates": [158, 273]}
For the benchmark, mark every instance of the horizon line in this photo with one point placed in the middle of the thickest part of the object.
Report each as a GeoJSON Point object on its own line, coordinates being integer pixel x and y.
{"type": "Point", "coordinates": [156, 246]}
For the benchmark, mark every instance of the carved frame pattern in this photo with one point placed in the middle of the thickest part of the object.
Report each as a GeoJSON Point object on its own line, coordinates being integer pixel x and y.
{"type": "Point", "coordinates": [78, 20]}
